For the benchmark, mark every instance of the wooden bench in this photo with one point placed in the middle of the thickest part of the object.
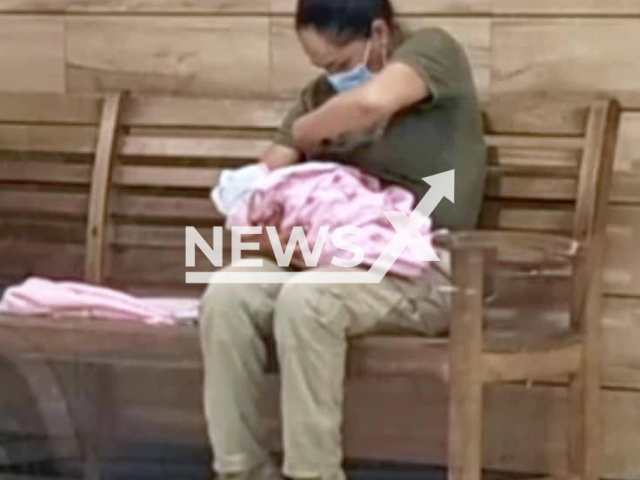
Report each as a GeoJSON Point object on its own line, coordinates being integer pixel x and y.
{"type": "Point", "coordinates": [101, 189]}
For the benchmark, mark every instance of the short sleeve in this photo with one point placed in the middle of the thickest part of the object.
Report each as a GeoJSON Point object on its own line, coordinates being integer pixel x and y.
{"type": "Point", "coordinates": [437, 57]}
{"type": "Point", "coordinates": [312, 96]}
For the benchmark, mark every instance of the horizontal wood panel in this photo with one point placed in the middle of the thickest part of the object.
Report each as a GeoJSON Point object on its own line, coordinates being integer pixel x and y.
{"type": "Point", "coordinates": [628, 149]}
{"type": "Point", "coordinates": [576, 56]}
{"type": "Point", "coordinates": [565, 7]}
{"type": "Point", "coordinates": [150, 236]}
{"type": "Point", "coordinates": [32, 54]}
{"type": "Point", "coordinates": [625, 188]}
{"type": "Point", "coordinates": [139, 111]}
{"type": "Point", "coordinates": [539, 142]}
{"type": "Point", "coordinates": [45, 172]}
{"type": "Point", "coordinates": [526, 187]}
{"type": "Point", "coordinates": [29, 202]}
{"type": "Point", "coordinates": [202, 131]}
{"type": "Point", "coordinates": [153, 266]}
{"type": "Point", "coordinates": [40, 258]}
{"type": "Point", "coordinates": [59, 139]}
{"type": "Point", "coordinates": [50, 108]}
{"type": "Point", "coordinates": [622, 272]}
{"type": "Point", "coordinates": [137, 6]}
{"type": "Point", "coordinates": [30, 228]}
{"type": "Point", "coordinates": [410, 6]}
{"type": "Point", "coordinates": [291, 70]}
{"type": "Point", "coordinates": [507, 182]}
{"type": "Point", "coordinates": [173, 177]}
{"type": "Point", "coordinates": [626, 179]}
{"type": "Point", "coordinates": [164, 207]}
{"type": "Point", "coordinates": [215, 56]}
{"type": "Point", "coordinates": [255, 7]}
{"type": "Point", "coordinates": [527, 217]}
{"type": "Point", "coordinates": [537, 112]}
{"type": "Point", "coordinates": [224, 148]}
{"type": "Point", "coordinates": [621, 327]}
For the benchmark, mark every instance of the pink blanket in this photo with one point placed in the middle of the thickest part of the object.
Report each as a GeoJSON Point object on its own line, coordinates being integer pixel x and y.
{"type": "Point", "coordinates": [37, 296]}
{"type": "Point", "coordinates": [314, 195]}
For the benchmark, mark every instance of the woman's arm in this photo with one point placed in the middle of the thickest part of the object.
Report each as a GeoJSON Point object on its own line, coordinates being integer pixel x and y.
{"type": "Point", "coordinates": [396, 87]}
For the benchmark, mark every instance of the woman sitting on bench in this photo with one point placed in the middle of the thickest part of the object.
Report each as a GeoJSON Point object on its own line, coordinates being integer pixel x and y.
{"type": "Point", "coordinates": [400, 109]}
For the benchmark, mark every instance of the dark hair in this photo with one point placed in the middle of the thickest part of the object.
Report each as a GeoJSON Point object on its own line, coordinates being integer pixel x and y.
{"type": "Point", "coordinates": [345, 20]}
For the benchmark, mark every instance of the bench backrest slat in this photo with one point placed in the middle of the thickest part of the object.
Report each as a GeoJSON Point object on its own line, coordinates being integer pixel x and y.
{"type": "Point", "coordinates": [145, 176]}
{"type": "Point", "coordinates": [228, 148]}
{"type": "Point", "coordinates": [47, 145]}
{"type": "Point", "coordinates": [538, 142]}
{"type": "Point", "coordinates": [203, 113]}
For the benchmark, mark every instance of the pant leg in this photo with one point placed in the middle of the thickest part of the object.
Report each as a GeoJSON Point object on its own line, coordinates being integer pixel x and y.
{"type": "Point", "coordinates": [235, 319]}
{"type": "Point", "coordinates": [312, 324]}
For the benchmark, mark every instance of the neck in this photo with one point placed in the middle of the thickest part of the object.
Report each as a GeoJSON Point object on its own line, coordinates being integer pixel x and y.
{"type": "Point", "coordinates": [380, 58]}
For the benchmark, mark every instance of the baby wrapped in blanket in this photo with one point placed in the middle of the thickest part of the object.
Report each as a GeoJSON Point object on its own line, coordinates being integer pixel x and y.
{"type": "Point", "coordinates": [321, 196]}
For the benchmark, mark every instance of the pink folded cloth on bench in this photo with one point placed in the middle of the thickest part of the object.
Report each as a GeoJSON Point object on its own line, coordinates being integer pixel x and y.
{"type": "Point", "coordinates": [313, 195]}
{"type": "Point", "coordinates": [42, 297]}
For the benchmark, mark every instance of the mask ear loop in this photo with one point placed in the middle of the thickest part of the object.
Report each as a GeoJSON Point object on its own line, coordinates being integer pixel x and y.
{"type": "Point", "coordinates": [383, 126]}
{"type": "Point", "coordinates": [367, 53]}
{"type": "Point", "coordinates": [384, 54]}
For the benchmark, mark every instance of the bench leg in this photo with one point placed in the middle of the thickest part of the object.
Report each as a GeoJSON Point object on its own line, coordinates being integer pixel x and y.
{"type": "Point", "coordinates": [585, 424]}
{"type": "Point", "coordinates": [465, 429]}
{"type": "Point", "coordinates": [465, 368]}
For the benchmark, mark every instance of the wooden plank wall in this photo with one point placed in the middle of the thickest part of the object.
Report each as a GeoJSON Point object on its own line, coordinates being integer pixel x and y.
{"type": "Point", "coordinates": [248, 49]}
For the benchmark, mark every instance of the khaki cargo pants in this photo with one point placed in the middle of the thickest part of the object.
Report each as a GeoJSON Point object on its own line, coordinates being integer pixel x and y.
{"type": "Point", "coordinates": [311, 324]}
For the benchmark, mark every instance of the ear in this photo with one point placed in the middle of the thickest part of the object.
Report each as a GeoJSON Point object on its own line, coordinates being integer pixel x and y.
{"type": "Point", "coordinates": [380, 33]}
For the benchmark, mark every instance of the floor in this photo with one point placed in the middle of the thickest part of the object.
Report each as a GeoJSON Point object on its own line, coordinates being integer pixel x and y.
{"type": "Point", "coordinates": [151, 471]}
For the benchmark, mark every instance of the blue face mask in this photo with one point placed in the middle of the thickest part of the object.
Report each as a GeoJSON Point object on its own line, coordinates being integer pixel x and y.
{"type": "Point", "coordinates": [359, 75]}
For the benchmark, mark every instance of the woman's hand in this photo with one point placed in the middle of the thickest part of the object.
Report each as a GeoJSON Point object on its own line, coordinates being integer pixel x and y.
{"type": "Point", "coordinates": [278, 156]}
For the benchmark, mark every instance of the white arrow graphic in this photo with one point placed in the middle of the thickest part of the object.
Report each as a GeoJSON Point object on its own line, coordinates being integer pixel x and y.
{"type": "Point", "coordinates": [442, 186]}
{"type": "Point", "coordinates": [407, 236]}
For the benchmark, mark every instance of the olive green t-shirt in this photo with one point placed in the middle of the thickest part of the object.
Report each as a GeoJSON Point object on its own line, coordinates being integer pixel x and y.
{"type": "Point", "coordinates": [441, 133]}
